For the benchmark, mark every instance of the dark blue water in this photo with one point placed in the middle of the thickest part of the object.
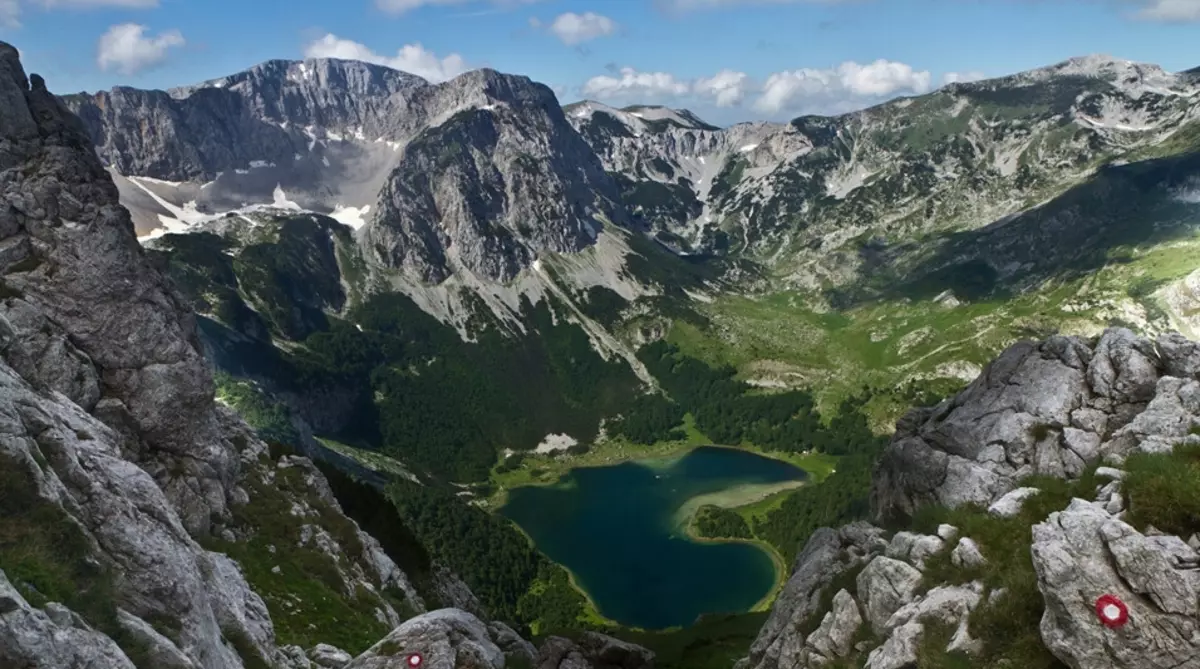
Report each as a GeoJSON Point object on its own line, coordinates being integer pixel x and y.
{"type": "Point", "coordinates": [614, 528]}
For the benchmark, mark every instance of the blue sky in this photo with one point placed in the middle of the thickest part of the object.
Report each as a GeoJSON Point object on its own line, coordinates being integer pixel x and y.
{"type": "Point", "coordinates": [729, 60]}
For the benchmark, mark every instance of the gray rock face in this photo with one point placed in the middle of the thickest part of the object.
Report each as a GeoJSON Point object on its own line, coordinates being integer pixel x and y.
{"type": "Point", "coordinates": [766, 180]}
{"type": "Point", "coordinates": [481, 173]}
{"type": "Point", "coordinates": [833, 638]}
{"type": "Point", "coordinates": [884, 587]}
{"type": "Point", "coordinates": [109, 327]}
{"type": "Point", "coordinates": [491, 186]}
{"type": "Point", "coordinates": [1050, 408]}
{"type": "Point", "coordinates": [828, 553]}
{"type": "Point", "coordinates": [30, 637]}
{"type": "Point", "coordinates": [199, 131]}
{"type": "Point", "coordinates": [885, 597]}
{"type": "Point", "coordinates": [1082, 553]}
{"type": "Point", "coordinates": [110, 429]}
{"type": "Point", "coordinates": [159, 572]}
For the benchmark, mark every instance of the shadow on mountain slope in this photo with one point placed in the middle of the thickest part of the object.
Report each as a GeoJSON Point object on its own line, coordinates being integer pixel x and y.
{"type": "Point", "coordinates": [1149, 201]}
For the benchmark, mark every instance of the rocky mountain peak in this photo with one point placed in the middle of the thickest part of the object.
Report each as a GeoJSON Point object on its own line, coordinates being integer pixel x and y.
{"type": "Point", "coordinates": [480, 173]}
{"type": "Point", "coordinates": [349, 77]}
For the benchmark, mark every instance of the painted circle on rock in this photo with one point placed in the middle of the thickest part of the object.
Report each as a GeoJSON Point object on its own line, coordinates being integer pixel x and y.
{"type": "Point", "coordinates": [1112, 611]}
{"type": "Point", "coordinates": [415, 660]}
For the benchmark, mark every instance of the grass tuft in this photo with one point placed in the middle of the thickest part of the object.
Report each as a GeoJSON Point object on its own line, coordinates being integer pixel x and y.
{"type": "Point", "coordinates": [1163, 490]}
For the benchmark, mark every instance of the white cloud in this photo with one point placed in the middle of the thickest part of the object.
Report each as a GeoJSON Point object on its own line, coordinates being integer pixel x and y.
{"type": "Point", "coordinates": [398, 7]}
{"type": "Point", "coordinates": [727, 87]}
{"type": "Point", "coordinates": [882, 77]}
{"type": "Point", "coordinates": [845, 86]}
{"type": "Point", "coordinates": [839, 89]}
{"type": "Point", "coordinates": [1171, 11]}
{"type": "Point", "coordinates": [411, 58]}
{"type": "Point", "coordinates": [128, 49]}
{"type": "Point", "coordinates": [574, 28]}
{"type": "Point", "coordinates": [962, 77]}
{"type": "Point", "coordinates": [634, 84]}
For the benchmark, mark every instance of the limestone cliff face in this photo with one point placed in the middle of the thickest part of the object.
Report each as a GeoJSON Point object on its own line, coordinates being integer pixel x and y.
{"type": "Point", "coordinates": [111, 431]}
{"type": "Point", "coordinates": [480, 174]}
{"type": "Point", "coordinates": [126, 492]}
{"type": "Point", "coordinates": [1047, 408]}
{"type": "Point", "coordinates": [1054, 409]}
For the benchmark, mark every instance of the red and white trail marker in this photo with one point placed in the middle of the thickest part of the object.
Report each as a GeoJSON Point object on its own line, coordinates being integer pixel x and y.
{"type": "Point", "coordinates": [415, 660]}
{"type": "Point", "coordinates": [1112, 612]}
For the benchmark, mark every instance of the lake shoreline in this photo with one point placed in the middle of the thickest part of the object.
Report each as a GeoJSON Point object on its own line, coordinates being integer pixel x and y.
{"type": "Point", "coordinates": [687, 522]}
{"type": "Point", "coordinates": [781, 570]}
{"type": "Point", "coordinates": [816, 466]}
{"type": "Point", "coordinates": [661, 456]}
{"type": "Point", "coordinates": [590, 610]}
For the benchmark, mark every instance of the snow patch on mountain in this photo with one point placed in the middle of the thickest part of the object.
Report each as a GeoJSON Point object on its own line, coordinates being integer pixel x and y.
{"type": "Point", "coordinates": [351, 216]}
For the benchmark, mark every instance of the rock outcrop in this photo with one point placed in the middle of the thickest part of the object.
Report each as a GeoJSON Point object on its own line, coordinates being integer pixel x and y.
{"type": "Point", "coordinates": [446, 639]}
{"type": "Point", "coordinates": [1054, 408]}
{"type": "Point", "coordinates": [1084, 552]}
{"type": "Point", "coordinates": [877, 614]}
{"type": "Point", "coordinates": [1051, 408]}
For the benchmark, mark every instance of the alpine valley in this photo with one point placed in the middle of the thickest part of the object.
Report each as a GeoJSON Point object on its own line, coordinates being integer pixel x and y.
{"type": "Point", "coordinates": [278, 348]}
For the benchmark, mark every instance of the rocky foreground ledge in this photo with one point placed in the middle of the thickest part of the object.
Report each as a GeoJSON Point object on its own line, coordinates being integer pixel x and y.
{"type": "Point", "coordinates": [1042, 413]}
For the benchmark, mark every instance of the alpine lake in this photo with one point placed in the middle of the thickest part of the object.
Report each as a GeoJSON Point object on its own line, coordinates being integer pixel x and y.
{"type": "Point", "coordinates": [621, 531]}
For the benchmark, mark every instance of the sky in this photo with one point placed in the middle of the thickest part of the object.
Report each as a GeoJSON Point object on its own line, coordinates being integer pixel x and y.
{"type": "Point", "coordinates": [727, 60]}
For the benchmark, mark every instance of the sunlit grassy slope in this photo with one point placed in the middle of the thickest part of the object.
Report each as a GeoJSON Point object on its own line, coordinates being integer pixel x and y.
{"type": "Point", "coordinates": [786, 339]}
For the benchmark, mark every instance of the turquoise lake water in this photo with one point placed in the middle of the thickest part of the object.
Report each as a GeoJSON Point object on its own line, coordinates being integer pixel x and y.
{"type": "Point", "coordinates": [616, 529]}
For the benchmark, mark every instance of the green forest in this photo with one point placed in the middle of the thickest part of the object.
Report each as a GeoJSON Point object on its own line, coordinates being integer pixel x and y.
{"type": "Point", "coordinates": [386, 375]}
{"type": "Point", "coordinates": [727, 411]}
{"type": "Point", "coordinates": [485, 550]}
{"type": "Point", "coordinates": [447, 406]}
{"type": "Point", "coordinates": [714, 522]}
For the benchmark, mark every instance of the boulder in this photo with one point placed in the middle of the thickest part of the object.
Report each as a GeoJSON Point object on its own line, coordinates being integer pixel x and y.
{"type": "Point", "coordinates": [967, 554]}
{"type": "Point", "coordinates": [445, 639]}
{"type": "Point", "coordinates": [914, 548]}
{"type": "Point", "coordinates": [828, 553]}
{"type": "Point", "coordinates": [1005, 425]}
{"type": "Point", "coordinates": [593, 651]}
{"type": "Point", "coordinates": [605, 652]}
{"type": "Point", "coordinates": [900, 649]}
{"type": "Point", "coordinates": [884, 587]}
{"type": "Point", "coordinates": [1010, 503]}
{"type": "Point", "coordinates": [1082, 553]}
{"type": "Point", "coordinates": [833, 638]}
{"type": "Point", "coordinates": [329, 657]}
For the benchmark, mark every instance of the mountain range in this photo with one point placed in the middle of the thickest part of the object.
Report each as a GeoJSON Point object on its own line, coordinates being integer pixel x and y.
{"type": "Point", "coordinates": [797, 197]}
